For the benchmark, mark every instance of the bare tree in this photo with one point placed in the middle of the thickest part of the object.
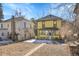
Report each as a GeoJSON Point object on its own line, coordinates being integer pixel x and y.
{"type": "Point", "coordinates": [13, 29]}
{"type": "Point", "coordinates": [1, 12]}
{"type": "Point", "coordinates": [18, 13]}
{"type": "Point", "coordinates": [76, 22]}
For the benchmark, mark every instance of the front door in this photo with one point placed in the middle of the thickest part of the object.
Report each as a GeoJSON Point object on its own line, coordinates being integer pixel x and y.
{"type": "Point", "coordinates": [49, 35]}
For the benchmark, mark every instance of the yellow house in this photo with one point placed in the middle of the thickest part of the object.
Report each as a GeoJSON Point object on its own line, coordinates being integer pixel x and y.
{"type": "Point", "coordinates": [48, 26]}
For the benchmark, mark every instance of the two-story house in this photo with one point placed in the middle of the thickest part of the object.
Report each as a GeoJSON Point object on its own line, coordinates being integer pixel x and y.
{"type": "Point", "coordinates": [48, 26]}
{"type": "Point", "coordinates": [22, 27]}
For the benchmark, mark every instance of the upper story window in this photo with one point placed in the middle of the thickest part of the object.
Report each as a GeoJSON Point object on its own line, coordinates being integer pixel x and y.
{"type": "Point", "coordinates": [7, 25]}
{"type": "Point", "coordinates": [24, 24]}
{"type": "Point", "coordinates": [55, 23]}
{"type": "Point", "coordinates": [1, 25]}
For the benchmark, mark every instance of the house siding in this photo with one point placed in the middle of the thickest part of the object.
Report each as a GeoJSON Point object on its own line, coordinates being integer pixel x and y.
{"type": "Point", "coordinates": [20, 29]}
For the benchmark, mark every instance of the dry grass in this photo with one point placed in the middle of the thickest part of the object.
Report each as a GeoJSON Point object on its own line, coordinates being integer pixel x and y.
{"type": "Point", "coordinates": [53, 50]}
{"type": "Point", "coordinates": [22, 48]}
{"type": "Point", "coordinates": [17, 49]}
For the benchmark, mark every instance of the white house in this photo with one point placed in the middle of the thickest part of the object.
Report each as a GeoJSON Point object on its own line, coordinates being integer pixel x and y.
{"type": "Point", "coordinates": [3, 30]}
{"type": "Point", "coordinates": [23, 28]}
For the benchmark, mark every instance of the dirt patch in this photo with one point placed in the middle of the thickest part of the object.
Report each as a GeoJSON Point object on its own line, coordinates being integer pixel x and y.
{"type": "Point", "coordinates": [17, 49]}
{"type": "Point", "coordinates": [53, 50]}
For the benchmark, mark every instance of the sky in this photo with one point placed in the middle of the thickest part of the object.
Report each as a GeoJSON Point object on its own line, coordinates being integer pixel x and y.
{"type": "Point", "coordinates": [38, 10]}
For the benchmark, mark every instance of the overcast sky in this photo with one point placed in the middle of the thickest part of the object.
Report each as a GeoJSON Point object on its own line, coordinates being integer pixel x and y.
{"type": "Point", "coordinates": [37, 10]}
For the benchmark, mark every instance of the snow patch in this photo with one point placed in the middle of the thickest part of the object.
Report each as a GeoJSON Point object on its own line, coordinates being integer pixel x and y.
{"type": "Point", "coordinates": [32, 40]}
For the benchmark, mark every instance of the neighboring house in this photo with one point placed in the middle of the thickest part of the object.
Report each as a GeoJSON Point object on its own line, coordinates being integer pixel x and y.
{"type": "Point", "coordinates": [48, 26]}
{"type": "Point", "coordinates": [66, 30]}
{"type": "Point", "coordinates": [3, 30]}
{"type": "Point", "coordinates": [23, 28]}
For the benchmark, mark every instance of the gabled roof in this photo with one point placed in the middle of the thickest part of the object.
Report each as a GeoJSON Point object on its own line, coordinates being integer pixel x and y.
{"type": "Point", "coordinates": [50, 17]}
{"type": "Point", "coordinates": [17, 19]}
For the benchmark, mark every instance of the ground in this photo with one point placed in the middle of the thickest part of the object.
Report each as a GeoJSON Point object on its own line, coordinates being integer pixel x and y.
{"type": "Point", "coordinates": [34, 49]}
{"type": "Point", "coordinates": [17, 49]}
{"type": "Point", "coordinates": [52, 50]}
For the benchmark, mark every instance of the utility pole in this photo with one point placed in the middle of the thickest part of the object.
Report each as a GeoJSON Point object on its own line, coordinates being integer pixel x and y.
{"type": "Point", "coordinates": [13, 29]}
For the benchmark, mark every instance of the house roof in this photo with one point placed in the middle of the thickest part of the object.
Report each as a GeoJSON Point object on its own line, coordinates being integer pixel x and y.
{"type": "Point", "coordinates": [17, 19]}
{"type": "Point", "coordinates": [50, 17]}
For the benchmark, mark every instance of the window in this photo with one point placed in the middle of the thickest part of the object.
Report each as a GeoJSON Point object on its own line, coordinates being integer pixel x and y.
{"type": "Point", "coordinates": [39, 25]}
{"type": "Point", "coordinates": [24, 24]}
{"type": "Point", "coordinates": [7, 25]}
{"type": "Point", "coordinates": [48, 24]}
{"type": "Point", "coordinates": [54, 23]}
{"type": "Point", "coordinates": [43, 24]}
{"type": "Point", "coordinates": [1, 25]}
{"type": "Point", "coordinates": [7, 33]}
{"type": "Point", "coordinates": [42, 32]}
{"type": "Point", "coordinates": [2, 34]}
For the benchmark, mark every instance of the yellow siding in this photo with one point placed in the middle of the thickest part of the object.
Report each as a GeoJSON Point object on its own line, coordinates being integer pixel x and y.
{"type": "Point", "coordinates": [38, 32]}
{"type": "Point", "coordinates": [39, 25]}
{"type": "Point", "coordinates": [57, 32]}
{"type": "Point", "coordinates": [48, 23]}
{"type": "Point", "coordinates": [32, 25]}
{"type": "Point", "coordinates": [54, 22]}
{"type": "Point", "coordinates": [58, 24]}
